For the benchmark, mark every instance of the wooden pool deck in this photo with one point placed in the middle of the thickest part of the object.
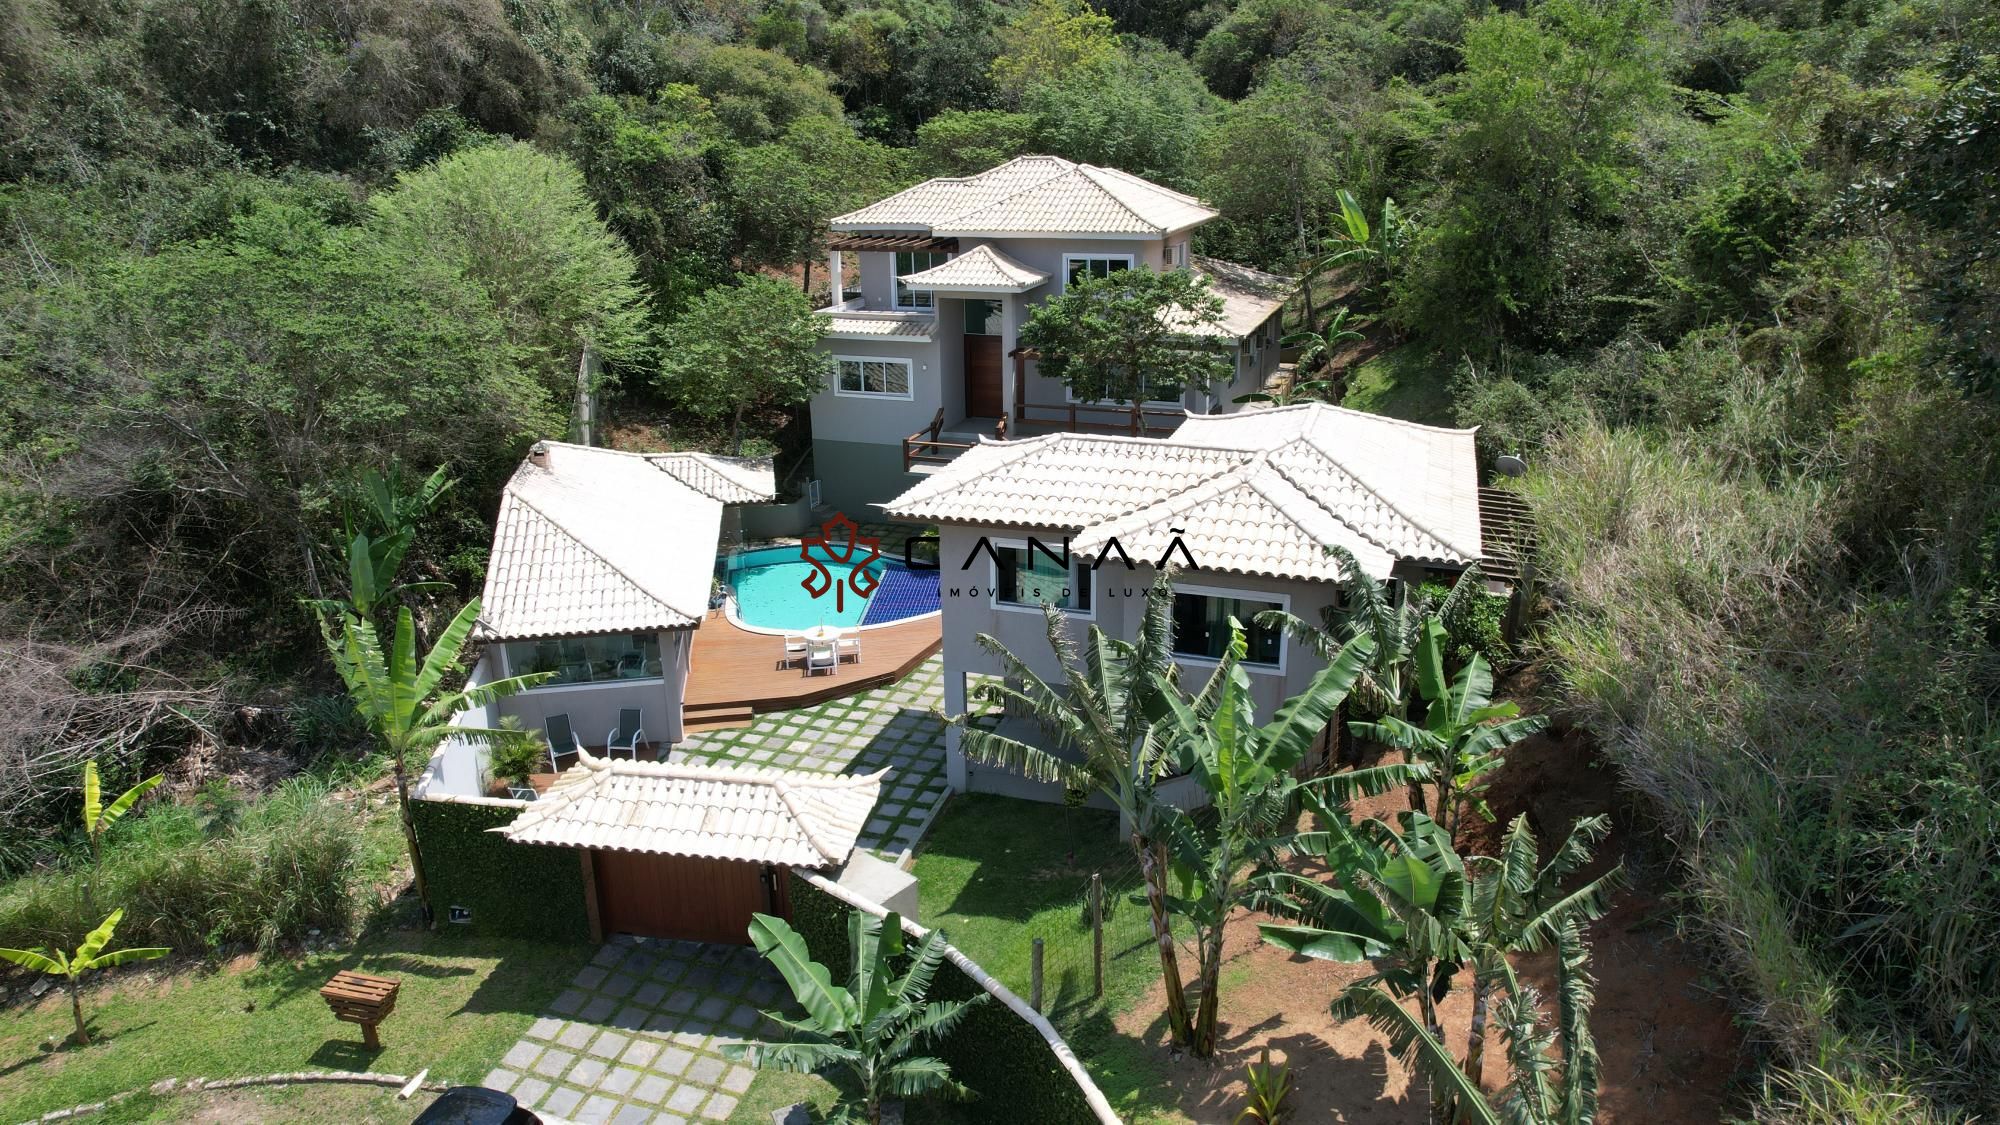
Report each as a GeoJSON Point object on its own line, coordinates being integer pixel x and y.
{"type": "Point", "coordinates": [734, 673]}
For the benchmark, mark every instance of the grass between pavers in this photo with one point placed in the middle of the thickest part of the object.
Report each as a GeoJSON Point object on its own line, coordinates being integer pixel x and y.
{"type": "Point", "coordinates": [995, 873]}
{"type": "Point", "coordinates": [1403, 383]}
{"type": "Point", "coordinates": [464, 1001]}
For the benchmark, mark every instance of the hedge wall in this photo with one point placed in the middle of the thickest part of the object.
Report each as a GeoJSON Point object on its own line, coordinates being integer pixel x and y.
{"type": "Point", "coordinates": [994, 1052]}
{"type": "Point", "coordinates": [513, 890]}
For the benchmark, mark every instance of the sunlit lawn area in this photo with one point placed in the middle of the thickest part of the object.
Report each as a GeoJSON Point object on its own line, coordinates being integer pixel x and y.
{"type": "Point", "coordinates": [997, 872]}
{"type": "Point", "coordinates": [463, 1003]}
{"type": "Point", "coordinates": [1403, 383]}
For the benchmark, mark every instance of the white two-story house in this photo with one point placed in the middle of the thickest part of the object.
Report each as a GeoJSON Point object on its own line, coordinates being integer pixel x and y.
{"type": "Point", "coordinates": [924, 334]}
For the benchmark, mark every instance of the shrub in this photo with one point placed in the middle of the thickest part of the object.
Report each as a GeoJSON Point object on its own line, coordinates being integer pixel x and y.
{"type": "Point", "coordinates": [286, 867]}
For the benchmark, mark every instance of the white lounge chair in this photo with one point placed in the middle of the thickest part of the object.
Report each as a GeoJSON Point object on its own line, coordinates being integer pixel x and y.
{"type": "Point", "coordinates": [822, 658]}
{"type": "Point", "coordinates": [850, 646]}
{"type": "Point", "coordinates": [795, 647]}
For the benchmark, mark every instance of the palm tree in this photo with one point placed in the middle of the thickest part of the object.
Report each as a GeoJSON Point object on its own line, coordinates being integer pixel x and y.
{"type": "Point", "coordinates": [867, 1029]}
{"type": "Point", "coordinates": [403, 701]}
{"type": "Point", "coordinates": [89, 957]}
{"type": "Point", "coordinates": [1104, 740]}
{"type": "Point", "coordinates": [1541, 1091]}
{"type": "Point", "coordinates": [1519, 906]}
{"type": "Point", "coordinates": [1246, 770]}
{"type": "Point", "coordinates": [1365, 609]}
{"type": "Point", "coordinates": [1465, 733]}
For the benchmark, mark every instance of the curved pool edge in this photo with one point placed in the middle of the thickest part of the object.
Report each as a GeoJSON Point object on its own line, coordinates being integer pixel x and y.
{"type": "Point", "coordinates": [729, 612]}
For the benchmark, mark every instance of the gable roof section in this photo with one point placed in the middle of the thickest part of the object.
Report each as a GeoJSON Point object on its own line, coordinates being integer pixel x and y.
{"type": "Point", "coordinates": [1264, 495]}
{"type": "Point", "coordinates": [1033, 195]}
{"type": "Point", "coordinates": [751, 814]}
{"type": "Point", "coordinates": [981, 269]}
{"type": "Point", "coordinates": [598, 541]}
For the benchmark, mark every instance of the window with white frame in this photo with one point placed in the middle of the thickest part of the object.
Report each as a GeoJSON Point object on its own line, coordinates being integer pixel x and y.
{"type": "Point", "coordinates": [872, 376]}
{"type": "Point", "coordinates": [1079, 266]}
{"type": "Point", "coordinates": [1201, 625]}
{"type": "Point", "coordinates": [1177, 256]}
{"type": "Point", "coordinates": [587, 660]}
{"type": "Point", "coordinates": [916, 261]}
{"type": "Point", "coordinates": [1029, 579]}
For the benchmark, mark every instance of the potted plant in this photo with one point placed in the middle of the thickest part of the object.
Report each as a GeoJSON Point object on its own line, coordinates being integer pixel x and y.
{"type": "Point", "coordinates": [513, 754]}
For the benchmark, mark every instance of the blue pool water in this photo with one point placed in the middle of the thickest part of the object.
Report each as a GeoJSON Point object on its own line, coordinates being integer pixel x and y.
{"type": "Point", "coordinates": [770, 591]}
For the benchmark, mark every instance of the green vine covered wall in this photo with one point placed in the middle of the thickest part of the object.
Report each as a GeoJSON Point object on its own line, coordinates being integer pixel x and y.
{"type": "Point", "coordinates": [512, 890]}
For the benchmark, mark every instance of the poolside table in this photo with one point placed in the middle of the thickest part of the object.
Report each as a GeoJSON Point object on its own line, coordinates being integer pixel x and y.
{"type": "Point", "coordinates": [824, 634]}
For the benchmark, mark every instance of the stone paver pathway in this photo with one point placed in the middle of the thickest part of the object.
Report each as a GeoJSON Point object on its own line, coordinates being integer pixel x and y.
{"type": "Point", "coordinates": [637, 1038]}
{"type": "Point", "coordinates": [891, 726]}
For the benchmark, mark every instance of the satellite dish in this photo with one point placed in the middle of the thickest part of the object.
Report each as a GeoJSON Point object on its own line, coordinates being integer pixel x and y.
{"type": "Point", "coordinates": [1509, 465]}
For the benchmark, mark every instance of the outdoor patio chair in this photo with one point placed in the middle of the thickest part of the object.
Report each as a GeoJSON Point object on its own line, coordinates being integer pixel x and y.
{"type": "Point", "coordinates": [850, 646]}
{"type": "Point", "coordinates": [795, 647]}
{"type": "Point", "coordinates": [562, 740]}
{"type": "Point", "coordinates": [628, 734]}
{"type": "Point", "coordinates": [822, 658]}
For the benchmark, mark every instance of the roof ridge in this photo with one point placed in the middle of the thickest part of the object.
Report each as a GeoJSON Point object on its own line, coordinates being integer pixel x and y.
{"type": "Point", "coordinates": [593, 553]}
{"type": "Point", "coordinates": [997, 200]}
{"type": "Point", "coordinates": [1300, 487]}
{"type": "Point", "coordinates": [1307, 440]}
{"type": "Point", "coordinates": [1120, 173]}
{"type": "Point", "coordinates": [1220, 481]}
{"type": "Point", "coordinates": [1091, 171]}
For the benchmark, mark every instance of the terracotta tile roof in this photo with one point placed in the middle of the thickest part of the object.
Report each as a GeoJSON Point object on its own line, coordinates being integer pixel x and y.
{"type": "Point", "coordinates": [879, 327]}
{"type": "Point", "coordinates": [599, 541]}
{"type": "Point", "coordinates": [981, 268]}
{"type": "Point", "coordinates": [1260, 492]}
{"type": "Point", "coordinates": [1033, 195]}
{"type": "Point", "coordinates": [756, 815]}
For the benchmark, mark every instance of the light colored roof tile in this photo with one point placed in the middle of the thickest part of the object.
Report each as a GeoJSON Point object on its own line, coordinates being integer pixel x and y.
{"type": "Point", "coordinates": [599, 541]}
{"type": "Point", "coordinates": [1249, 296]}
{"type": "Point", "coordinates": [1260, 492]}
{"type": "Point", "coordinates": [752, 814]}
{"type": "Point", "coordinates": [981, 268]}
{"type": "Point", "coordinates": [1034, 195]}
{"type": "Point", "coordinates": [880, 327]}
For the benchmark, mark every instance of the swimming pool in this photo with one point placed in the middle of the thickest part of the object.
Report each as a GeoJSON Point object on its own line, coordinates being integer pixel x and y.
{"type": "Point", "coordinates": [769, 584]}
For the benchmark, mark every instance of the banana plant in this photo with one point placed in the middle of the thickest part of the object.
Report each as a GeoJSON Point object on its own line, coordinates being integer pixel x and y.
{"type": "Point", "coordinates": [89, 957]}
{"type": "Point", "coordinates": [99, 818]}
{"type": "Point", "coordinates": [869, 1028]}
{"type": "Point", "coordinates": [402, 699]}
{"type": "Point", "coordinates": [1246, 771]}
{"type": "Point", "coordinates": [1465, 734]}
{"type": "Point", "coordinates": [1099, 709]}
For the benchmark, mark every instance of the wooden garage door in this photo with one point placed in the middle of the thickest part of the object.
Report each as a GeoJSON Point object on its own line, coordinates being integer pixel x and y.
{"type": "Point", "coordinates": [678, 897]}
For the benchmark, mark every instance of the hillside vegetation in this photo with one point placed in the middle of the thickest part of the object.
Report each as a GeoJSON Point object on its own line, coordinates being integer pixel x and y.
{"type": "Point", "coordinates": [1725, 273]}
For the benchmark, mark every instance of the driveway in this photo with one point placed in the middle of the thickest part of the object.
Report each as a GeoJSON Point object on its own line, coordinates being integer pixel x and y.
{"type": "Point", "coordinates": [638, 1036]}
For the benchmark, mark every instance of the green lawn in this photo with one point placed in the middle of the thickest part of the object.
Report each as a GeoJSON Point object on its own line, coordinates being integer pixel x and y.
{"type": "Point", "coordinates": [463, 1003]}
{"type": "Point", "coordinates": [996, 873]}
{"type": "Point", "coordinates": [1403, 383]}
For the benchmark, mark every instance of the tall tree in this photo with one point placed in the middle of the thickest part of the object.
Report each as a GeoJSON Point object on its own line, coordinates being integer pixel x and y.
{"type": "Point", "coordinates": [751, 345]}
{"type": "Point", "coordinates": [1049, 39]}
{"type": "Point", "coordinates": [1098, 713]}
{"type": "Point", "coordinates": [1134, 335]}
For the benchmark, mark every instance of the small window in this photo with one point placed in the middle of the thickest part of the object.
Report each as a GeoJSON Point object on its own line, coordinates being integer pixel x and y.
{"type": "Point", "coordinates": [1078, 266]}
{"type": "Point", "coordinates": [1201, 627]}
{"type": "Point", "coordinates": [1033, 579]}
{"type": "Point", "coordinates": [889, 378]}
{"type": "Point", "coordinates": [588, 660]}
{"type": "Point", "coordinates": [1177, 256]}
{"type": "Point", "coordinates": [918, 261]}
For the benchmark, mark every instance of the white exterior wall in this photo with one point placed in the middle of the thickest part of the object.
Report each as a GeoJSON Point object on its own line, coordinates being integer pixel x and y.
{"type": "Point", "coordinates": [878, 419]}
{"type": "Point", "coordinates": [593, 708]}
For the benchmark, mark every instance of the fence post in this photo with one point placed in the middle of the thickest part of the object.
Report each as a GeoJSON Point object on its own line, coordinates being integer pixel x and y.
{"type": "Point", "coordinates": [1035, 977]}
{"type": "Point", "coordinates": [1097, 932]}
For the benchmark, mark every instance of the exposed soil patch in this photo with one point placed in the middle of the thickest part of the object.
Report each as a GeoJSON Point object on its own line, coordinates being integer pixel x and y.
{"type": "Point", "coordinates": [1670, 1050]}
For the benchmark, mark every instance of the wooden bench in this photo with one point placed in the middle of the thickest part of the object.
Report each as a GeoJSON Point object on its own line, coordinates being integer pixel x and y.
{"type": "Point", "coordinates": [360, 998]}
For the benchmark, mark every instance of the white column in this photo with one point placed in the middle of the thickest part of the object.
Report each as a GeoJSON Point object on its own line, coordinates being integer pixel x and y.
{"type": "Point", "coordinates": [954, 704]}
{"type": "Point", "coordinates": [834, 290]}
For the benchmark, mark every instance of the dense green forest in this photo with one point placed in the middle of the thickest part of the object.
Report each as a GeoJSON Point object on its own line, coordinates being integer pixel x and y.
{"type": "Point", "coordinates": [1725, 272]}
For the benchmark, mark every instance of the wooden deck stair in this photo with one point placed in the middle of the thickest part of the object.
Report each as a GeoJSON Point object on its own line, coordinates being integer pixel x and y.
{"type": "Point", "coordinates": [697, 717]}
{"type": "Point", "coordinates": [1507, 528]}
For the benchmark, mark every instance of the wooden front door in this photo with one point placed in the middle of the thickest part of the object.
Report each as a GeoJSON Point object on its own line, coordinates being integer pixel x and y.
{"type": "Point", "coordinates": [982, 377]}
{"type": "Point", "coordinates": [680, 897]}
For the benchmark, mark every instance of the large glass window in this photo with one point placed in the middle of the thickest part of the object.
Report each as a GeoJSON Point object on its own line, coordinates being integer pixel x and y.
{"type": "Point", "coordinates": [982, 318]}
{"type": "Point", "coordinates": [1025, 580]}
{"type": "Point", "coordinates": [588, 660]}
{"type": "Point", "coordinates": [916, 261]}
{"type": "Point", "coordinates": [1077, 266]}
{"type": "Point", "coordinates": [1201, 627]}
{"type": "Point", "coordinates": [887, 377]}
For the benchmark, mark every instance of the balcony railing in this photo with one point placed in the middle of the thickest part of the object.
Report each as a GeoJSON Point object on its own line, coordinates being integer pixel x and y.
{"type": "Point", "coordinates": [926, 447]}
